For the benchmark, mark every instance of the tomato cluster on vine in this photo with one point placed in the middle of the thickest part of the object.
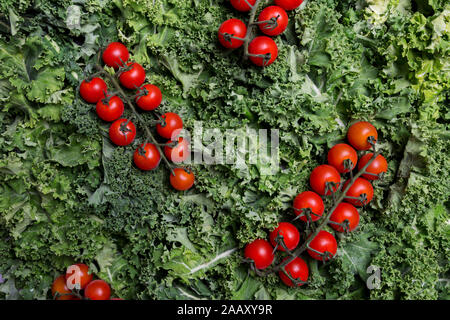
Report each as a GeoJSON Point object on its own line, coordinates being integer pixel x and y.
{"type": "Point", "coordinates": [148, 97]}
{"type": "Point", "coordinates": [326, 183]}
{"type": "Point", "coordinates": [79, 284]}
{"type": "Point", "coordinates": [272, 21]}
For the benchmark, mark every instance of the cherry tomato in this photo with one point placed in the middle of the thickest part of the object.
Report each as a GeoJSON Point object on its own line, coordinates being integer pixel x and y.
{"type": "Point", "coordinates": [97, 290]}
{"type": "Point", "coordinates": [235, 28]}
{"type": "Point", "coordinates": [94, 90]}
{"type": "Point", "coordinates": [288, 4]}
{"type": "Point", "coordinates": [263, 46]}
{"type": "Point", "coordinates": [323, 242]}
{"type": "Point", "coordinates": [278, 16]}
{"type": "Point", "coordinates": [171, 125]}
{"type": "Point", "coordinates": [78, 276]}
{"type": "Point", "coordinates": [290, 234]}
{"type": "Point", "coordinates": [297, 269]}
{"type": "Point", "coordinates": [359, 133]}
{"type": "Point", "coordinates": [179, 153]}
{"type": "Point", "coordinates": [147, 157]}
{"type": "Point", "coordinates": [359, 188]}
{"type": "Point", "coordinates": [339, 153]}
{"type": "Point", "coordinates": [115, 55]}
{"type": "Point", "coordinates": [133, 78]}
{"type": "Point", "coordinates": [321, 175]}
{"type": "Point", "coordinates": [122, 132]}
{"type": "Point", "coordinates": [60, 289]}
{"type": "Point", "coordinates": [151, 98]}
{"type": "Point", "coordinates": [261, 252]}
{"type": "Point", "coordinates": [181, 179]}
{"type": "Point", "coordinates": [377, 166]}
{"type": "Point", "coordinates": [345, 211]}
{"type": "Point", "coordinates": [311, 200]}
{"type": "Point", "coordinates": [110, 111]}
{"type": "Point", "coordinates": [241, 5]}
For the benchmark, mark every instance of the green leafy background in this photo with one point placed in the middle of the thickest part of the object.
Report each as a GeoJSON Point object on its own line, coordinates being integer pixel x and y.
{"type": "Point", "coordinates": [68, 195]}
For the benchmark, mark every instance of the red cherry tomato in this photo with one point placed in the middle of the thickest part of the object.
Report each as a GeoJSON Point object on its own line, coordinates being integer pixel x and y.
{"type": "Point", "coordinates": [150, 99]}
{"type": "Point", "coordinates": [60, 290]}
{"type": "Point", "coordinates": [122, 132]}
{"type": "Point", "coordinates": [133, 78]}
{"type": "Point", "coordinates": [171, 125]}
{"type": "Point", "coordinates": [77, 276]}
{"type": "Point", "coordinates": [359, 134]}
{"type": "Point", "coordinates": [345, 211]}
{"type": "Point", "coordinates": [321, 175]}
{"type": "Point", "coordinates": [359, 188]}
{"type": "Point", "coordinates": [94, 90]}
{"type": "Point", "coordinates": [179, 153]}
{"type": "Point", "coordinates": [338, 155]}
{"type": "Point", "coordinates": [297, 269]}
{"type": "Point", "coordinates": [279, 20]}
{"type": "Point", "coordinates": [323, 242]}
{"type": "Point", "coordinates": [115, 55]}
{"type": "Point", "coordinates": [311, 200]}
{"type": "Point", "coordinates": [377, 166]}
{"type": "Point", "coordinates": [261, 252]}
{"type": "Point", "coordinates": [288, 4]}
{"type": "Point", "coordinates": [110, 111]}
{"type": "Point", "coordinates": [263, 46]}
{"type": "Point", "coordinates": [235, 28]}
{"type": "Point", "coordinates": [97, 290]}
{"type": "Point", "coordinates": [241, 5]}
{"type": "Point", "coordinates": [147, 157]}
{"type": "Point", "coordinates": [181, 179]}
{"type": "Point", "coordinates": [290, 234]}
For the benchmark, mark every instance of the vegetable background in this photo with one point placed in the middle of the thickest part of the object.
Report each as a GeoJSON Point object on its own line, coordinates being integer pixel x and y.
{"type": "Point", "coordinates": [68, 195]}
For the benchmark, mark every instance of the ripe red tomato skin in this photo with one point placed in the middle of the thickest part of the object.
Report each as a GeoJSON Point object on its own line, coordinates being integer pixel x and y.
{"type": "Point", "coordinates": [298, 269]}
{"type": "Point", "coordinates": [309, 199]}
{"type": "Point", "coordinates": [358, 187]}
{"type": "Point", "coordinates": [345, 211]}
{"type": "Point", "coordinates": [339, 153]}
{"type": "Point", "coordinates": [182, 180]}
{"type": "Point", "coordinates": [114, 52]}
{"type": "Point", "coordinates": [59, 285]}
{"type": "Point", "coordinates": [322, 174]}
{"type": "Point", "coordinates": [240, 5]}
{"type": "Point", "coordinates": [261, 252]}
{"type": "Point", "coordinates": [173, 125]}
{"type": "Point", "coordinates": [359, 132]}
{"type": "Point", "coordinates": [273, 12]}
{"type": "Point", "coordinates": [179, 153]}
{"type": "Point", "coordinates": [233, 27]}
{"type": "Point", "coordinates": [290, 234]}
{"type": "Point", "coordinates": [83, 272]}
{"type": "Point", "coordinates": [324, 241]}
{"type": "Point", "coordinates": [97, 290]}
{"type": "Point", "coordinates": [288, 4]}
{"type": "Point", "coordinates": [133, 78]}
{"type": "Point", "coordinates": [93, 90]}
{"type": "Point", "coordinates": [152, 100]}
{"type": "Point", "coordinates": [111, 111]}
{"type": "Point", "coordinates": [118, 137]}
{"type": "Point", "coordinates": [263, 45]}
{"type": "Point", "coordinates": [150, 160]}
{"type": "Point", "coordinates": [377, 166]}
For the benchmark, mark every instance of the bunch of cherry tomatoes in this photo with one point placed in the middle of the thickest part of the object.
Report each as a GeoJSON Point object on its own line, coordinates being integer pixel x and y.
{"type": "Point", "coordinates": [272, 21]}
{"type": "Point", "coordinates": [325, 180]}
{"type": "Point", "coordinates": [77, 284]}
{"type": "Point", "coordinates": [148, 97]}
